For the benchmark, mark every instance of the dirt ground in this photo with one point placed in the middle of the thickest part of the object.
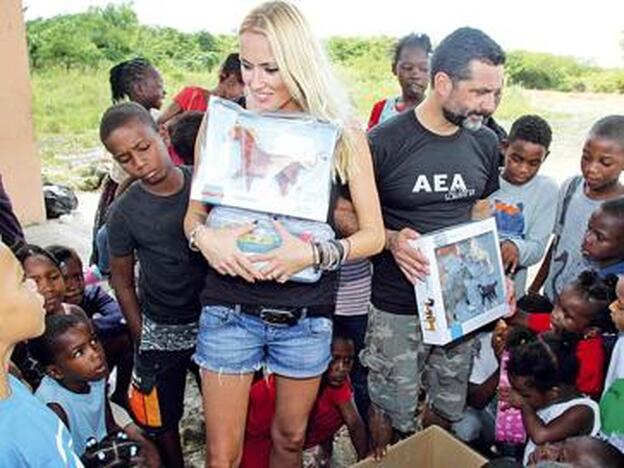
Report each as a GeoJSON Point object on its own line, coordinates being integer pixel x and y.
{"type": "Point", "coordinates": [572, 116]}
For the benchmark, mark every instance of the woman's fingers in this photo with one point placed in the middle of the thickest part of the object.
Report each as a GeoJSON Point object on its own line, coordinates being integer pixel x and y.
{"type": "Point", "coordinates": [234, 269]}
{"type": "Point", "coordinates": [248, 267]}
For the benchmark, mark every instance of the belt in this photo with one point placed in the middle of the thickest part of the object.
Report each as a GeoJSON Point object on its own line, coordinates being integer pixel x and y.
{"type": "Point", "coordinates": [284, 316]}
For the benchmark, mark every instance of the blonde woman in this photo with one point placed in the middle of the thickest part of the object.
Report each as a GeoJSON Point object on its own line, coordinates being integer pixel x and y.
{"type": "Point", "coordinates": [284, 69]}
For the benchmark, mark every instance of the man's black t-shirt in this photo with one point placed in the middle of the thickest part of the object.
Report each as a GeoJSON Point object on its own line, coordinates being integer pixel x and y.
{"type": "Point", "coordinates": [171, 275]}
{"type": "Point", "coordinates": [425, 182]}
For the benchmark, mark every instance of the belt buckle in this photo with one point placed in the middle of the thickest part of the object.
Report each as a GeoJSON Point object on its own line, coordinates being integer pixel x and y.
{"type": "Point", "coordinates": [278, 317]}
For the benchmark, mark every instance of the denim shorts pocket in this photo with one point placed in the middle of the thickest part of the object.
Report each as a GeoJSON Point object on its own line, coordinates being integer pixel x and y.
{"type": "Point", "coordinates": [320, 326]}
{"type": "Point", "coordinates": [214, 317]}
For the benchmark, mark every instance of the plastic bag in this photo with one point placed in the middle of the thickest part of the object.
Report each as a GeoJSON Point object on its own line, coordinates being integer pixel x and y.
{"type": "Point", "coordinates": [59, 200]}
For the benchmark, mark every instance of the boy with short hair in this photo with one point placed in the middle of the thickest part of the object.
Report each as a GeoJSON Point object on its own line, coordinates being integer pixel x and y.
{"type": "Point", "coordinates": [105, 313]}
{"type": "Point", "coordinates": [602, 163]}
{"type": "Point", "coordinates": [31, 434]}
{"type": "Point", "coordinates": [146, 221]}
{"type": "Point", "coordinates": [75, 384]}
{"type": "Point", "coordinates": [524, 206]}
{"type": "Point", "coordinates": [603, 243]}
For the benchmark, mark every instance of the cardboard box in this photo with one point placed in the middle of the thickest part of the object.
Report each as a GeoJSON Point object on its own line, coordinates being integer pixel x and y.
{"type": "Point", "coordinates": [466, 287]}
{"type": "Point", "coordinates": [431, 448]}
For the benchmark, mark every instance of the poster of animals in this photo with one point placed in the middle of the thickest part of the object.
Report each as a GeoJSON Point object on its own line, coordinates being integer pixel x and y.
{"type": "Point", "coordinates": [466, 285]}
{"type": "Point", "coordinates": [271, 163]}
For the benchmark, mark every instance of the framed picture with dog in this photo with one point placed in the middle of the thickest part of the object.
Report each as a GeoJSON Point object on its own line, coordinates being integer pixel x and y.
{"type": "Point", "coordinates": [466, 285]}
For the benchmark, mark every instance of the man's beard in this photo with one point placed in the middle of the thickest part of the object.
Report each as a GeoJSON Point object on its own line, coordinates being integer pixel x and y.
{"type": "Point", "coordinates": [465, 121]}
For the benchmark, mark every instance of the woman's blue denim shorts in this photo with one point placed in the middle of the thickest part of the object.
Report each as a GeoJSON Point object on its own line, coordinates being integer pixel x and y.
{"type": "Point", "coordinates": [232, 342]}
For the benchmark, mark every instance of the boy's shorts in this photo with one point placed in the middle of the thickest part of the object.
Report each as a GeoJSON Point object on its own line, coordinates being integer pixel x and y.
{"type": "Point", "coordinates": [399, 363]}
{"type": "Point", "coordinates": [233, 342]}
{"type": "Point", "coordinates": [156, 393]}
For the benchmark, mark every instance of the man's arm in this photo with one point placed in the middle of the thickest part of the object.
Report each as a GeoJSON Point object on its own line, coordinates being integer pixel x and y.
{"type": "Point", "coordinates": [122, 281]}
{"type": "Point", "coordinates": [480, 395]}
{"type": "Point", "coordinates": [345, 218]}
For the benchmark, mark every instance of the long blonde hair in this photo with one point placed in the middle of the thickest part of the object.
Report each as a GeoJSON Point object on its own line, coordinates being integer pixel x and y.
{"type": "Point", "coordinates": [306, 71]}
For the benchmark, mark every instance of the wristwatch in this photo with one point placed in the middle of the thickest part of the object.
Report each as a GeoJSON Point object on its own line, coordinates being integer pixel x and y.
{"type": "Point", "coordinates": [193, 237]}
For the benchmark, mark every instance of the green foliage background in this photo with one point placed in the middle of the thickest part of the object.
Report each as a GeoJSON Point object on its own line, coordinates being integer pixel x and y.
{"type": "Point", "coordinates": [70, 56]}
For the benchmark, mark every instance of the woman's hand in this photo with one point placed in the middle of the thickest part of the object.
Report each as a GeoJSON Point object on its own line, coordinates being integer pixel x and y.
{"type": "Point", "coordinates": [219, 247]}
{"type": "Point", "coordinates": [292, 256]}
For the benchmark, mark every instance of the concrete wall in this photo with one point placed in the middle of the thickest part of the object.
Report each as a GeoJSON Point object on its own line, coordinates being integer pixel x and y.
{"type": "Point", "coordinates": [20, 165]}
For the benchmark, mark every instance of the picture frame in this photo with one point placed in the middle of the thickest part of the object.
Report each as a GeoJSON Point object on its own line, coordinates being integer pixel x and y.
{"type": "Point", "coordinates": [465, 289]}
{"type": "Point", "coordinates": [272, 163]}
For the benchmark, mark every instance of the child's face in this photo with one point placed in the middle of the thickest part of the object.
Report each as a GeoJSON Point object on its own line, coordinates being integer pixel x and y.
{"type": "Point", "coordinates": [604, 238]}
{"type": "Point", "coordinates": [342, 362]}
{"type": "Point", "coordinates": [601, 163]}
{"type": "Point", "coordinates": [74, 280]}
{"type": "Point", "coordinates": [571, 313]}
{"type": "Point", "coordinates": [49, 279]}
{"type": "Point", "coordinates": [149, 92]}
{"type": "Point", "coordinates": [21, 308]}
{"type": "Point", "coordinates": [617, 306]}
{"type": "Point", "coordinates": [534, 397]}
{"type": "Point", "coordinates": [232, 87]}
{"type": "Point", "coordinates": [522, 161]}
{"type": "Point", "coordinates": [79, 356]}
{"type": "Point", "coordinates": [140, 150]}
{"type": "Point", "coordinates": [412, 71]}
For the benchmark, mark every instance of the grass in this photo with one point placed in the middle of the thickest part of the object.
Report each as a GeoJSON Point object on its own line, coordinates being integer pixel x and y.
{"type": "Point", "coordinates": [68, 106]}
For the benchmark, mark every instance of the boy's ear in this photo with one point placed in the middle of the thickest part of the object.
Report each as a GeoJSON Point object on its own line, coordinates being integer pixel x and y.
{"type": "Point", "coordinates": [504, 144]}
{"type": "Point", "coordinates": [54, 371]}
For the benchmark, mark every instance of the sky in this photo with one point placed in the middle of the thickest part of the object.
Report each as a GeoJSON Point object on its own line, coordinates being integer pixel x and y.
{"type": "Point", "coordinates": [589, 30]}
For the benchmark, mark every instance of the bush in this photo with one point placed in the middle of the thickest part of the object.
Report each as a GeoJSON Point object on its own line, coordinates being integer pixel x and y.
{"type": "Point", "coordinates": [538, 70]}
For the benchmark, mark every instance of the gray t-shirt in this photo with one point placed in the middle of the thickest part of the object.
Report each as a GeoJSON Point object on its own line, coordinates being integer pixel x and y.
{"type": "Point", "coordinates": [525, 215]}
{"type": "Point", "coordinates": [567, 261]}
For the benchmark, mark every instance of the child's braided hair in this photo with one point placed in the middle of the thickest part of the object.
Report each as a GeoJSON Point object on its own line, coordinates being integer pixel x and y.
{"type": "Point", "coordinates": [125, 75]}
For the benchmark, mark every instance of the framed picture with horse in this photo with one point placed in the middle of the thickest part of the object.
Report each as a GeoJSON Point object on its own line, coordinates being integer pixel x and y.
{"type": "Point", "coordinates": [272, 163]}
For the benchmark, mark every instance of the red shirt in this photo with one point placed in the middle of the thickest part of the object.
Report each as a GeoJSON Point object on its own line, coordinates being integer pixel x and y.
{"type": "Point", "coordinates": [376, 113]}
{"type": "Point", "coordinates": [589, 353]}
{"type": "Point", "coordinates": [192, 98]}
{"type": "Point", "coordinates": [325, 419]}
